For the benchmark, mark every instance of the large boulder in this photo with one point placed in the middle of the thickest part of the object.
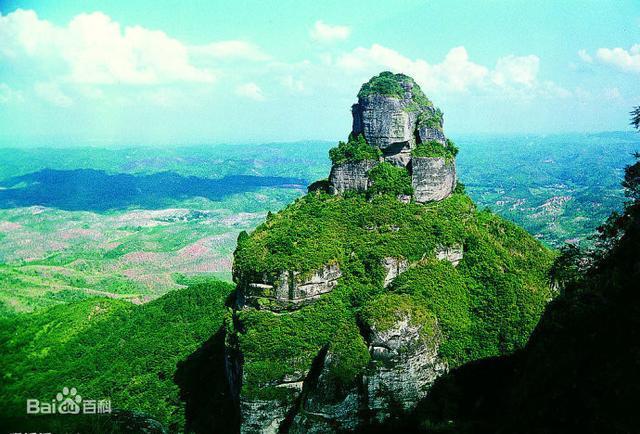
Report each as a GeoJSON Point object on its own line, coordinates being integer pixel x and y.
{"type": "Point", "coordinates": [350, 176]}
{"type": "Point", "coordinates": [431, 128]}
{"type": "Point", "coordinates": [385, 122]}
{"type": "Point", "coordinates": [432, 178]}
{"type": "Point", "coordinates": [404, 364]}
{"type": "Point", "coordinates": [389, 110]}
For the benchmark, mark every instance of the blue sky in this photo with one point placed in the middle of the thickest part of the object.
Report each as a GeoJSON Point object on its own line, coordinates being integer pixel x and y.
{"type": "Point", "coordinates": [175, 72]}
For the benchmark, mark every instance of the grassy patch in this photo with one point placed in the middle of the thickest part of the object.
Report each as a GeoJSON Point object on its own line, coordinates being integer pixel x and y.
{"type": "Point", "coordinates": [354, 150]}
{"type": "Point", "coordinates": [389, 179]}
{"type": "Point", "coordinates": [435, 149]}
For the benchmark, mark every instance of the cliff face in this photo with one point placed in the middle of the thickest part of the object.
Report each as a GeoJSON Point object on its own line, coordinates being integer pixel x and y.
{"type": "Point", "coordinates": [289, 290]}
{"type": "Point", "coordinates": [350, 176]}
{"type": "Point", "coordinates": [432, 178]}
{"type": "Point", "coordinates": [354, 299]}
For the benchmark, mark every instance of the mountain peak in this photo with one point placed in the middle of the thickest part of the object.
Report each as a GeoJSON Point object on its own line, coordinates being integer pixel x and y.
{"type": "Point", "coordinates": [395, 118]}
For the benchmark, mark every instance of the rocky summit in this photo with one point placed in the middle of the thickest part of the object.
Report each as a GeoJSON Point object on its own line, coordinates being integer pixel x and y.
{"type": "Point", "coordinates": [394, 117]}
{"type": "Point", "coordinates": [354, 299]}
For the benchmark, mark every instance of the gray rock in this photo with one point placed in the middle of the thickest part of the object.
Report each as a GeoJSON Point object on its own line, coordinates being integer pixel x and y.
{"type": "Point", "coordinates": [426, 134]}
{"type": "Point", "coordinates": [399, 155]}
{"type": "Point", "coordinates": [393, 267]}
{"type": "Point", "coordinates": [390, 123]}
{"type": "Point", "coordinates": [266, 415]}
{"type": "Point", "coordinates": [432, 178]}
{"type": "Point", "coordinates": [350, 176]}
{"type": "Point", "coordinates": [328, 407]}
{"type": "Point", "coordinates": [453, 254]}
{"type": "Point", "coordinates": [291, 290]}
{"type": "Point", "coordinates": [404, 365]}
{"type": "Point", "coordinates": [262, 416]}
{"type": "Point", "coordinates": [384, 121]}
{"type": "Point", "coordinates": [430, 127]}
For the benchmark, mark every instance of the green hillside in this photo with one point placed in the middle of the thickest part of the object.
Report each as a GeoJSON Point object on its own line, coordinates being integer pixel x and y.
{"type": "Point", "coordinates": [486, 306]}
{"type": "Point", "coordinates": [108, 349]}
{"type": "Point", "coordinates": [580, 371]}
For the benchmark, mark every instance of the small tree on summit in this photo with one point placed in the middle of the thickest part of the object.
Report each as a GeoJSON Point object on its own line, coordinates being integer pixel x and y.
{"type": "Point", "coordinates": [635, 118]}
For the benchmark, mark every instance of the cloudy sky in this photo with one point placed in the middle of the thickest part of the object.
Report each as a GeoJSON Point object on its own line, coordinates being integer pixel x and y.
{"type": "Point", "coordinates": [173, 72]}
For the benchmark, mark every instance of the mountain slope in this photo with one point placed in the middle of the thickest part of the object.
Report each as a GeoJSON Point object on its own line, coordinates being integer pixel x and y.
{"type": "Point", "coordinates": [109, 349]}
{"type": "Point", "coordinates": [580, 371]}
{"type": "Point", "coordinates": [354, 299]}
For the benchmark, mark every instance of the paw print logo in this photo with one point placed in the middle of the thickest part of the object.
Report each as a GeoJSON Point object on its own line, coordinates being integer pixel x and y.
{"type": "Point", "coordinates": [68, 401]}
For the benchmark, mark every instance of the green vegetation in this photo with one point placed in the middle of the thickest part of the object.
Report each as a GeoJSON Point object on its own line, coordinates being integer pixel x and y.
{"type": "Point", "coordinates": [385, 311]}
{"type": "Point", "coordinates": [390, 84]}
{"type": "Point", "coordinates": [354, 150]}
{"type": "Point", "coordinates": [277, 345]}
{"type": "Point", "coordinates": [386, 83]}
{"type": "Point", "coordinates": [432, 121]}
{"type": "Point", "coordinates": [580, 371]}
{"type": "Point", "coordinates": [486, 306]}
{"type": "Point", "coordinates": [109, 349]}
{"type": "Point", "coordinates": [435, 149]}
{"type": "Point", "coordinates": [46, 254]}
{"type": "Point", "coordinates": [389, 179]}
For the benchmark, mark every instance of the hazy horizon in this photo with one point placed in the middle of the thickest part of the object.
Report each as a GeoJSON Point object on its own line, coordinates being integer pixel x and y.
{"type": "Point", "coordinates": [109, 145]}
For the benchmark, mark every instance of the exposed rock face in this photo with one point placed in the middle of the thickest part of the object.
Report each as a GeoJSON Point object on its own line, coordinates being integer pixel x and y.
{"type": "Point", "coordinates": [327, 407]}
{"type": "Point", "coordinates": [404, 366]}
{"type": "Point", "coordinates": [432, 178]}
{"type": "Point", "coordinates": [453, 254]}
{"type": "Point", "coordinates": [267, 415]}
{"type": "Point", "coordinates": [350, 176]}
{"type": "Point", "coordinates": [390, 123]}
{"type": "Point", "coordinates": [393, 115]}
{"type": "Point", "coordinates": [387, 124]}
{"type": "Point", "coordinates": [397, 123]}
{"type": "Point", "coordinates": [290, 290]}
{"type": "Point", "coordinates": [393, 267]}
{"type": "Point", "coordinates": [262, 416]}
{"type": "Point", "coordinates": [426, 133]}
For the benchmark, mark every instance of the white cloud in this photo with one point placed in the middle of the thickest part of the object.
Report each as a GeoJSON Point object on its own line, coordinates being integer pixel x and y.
{"type": "Point", "coordinates": [231, 50]}
{"type": "Point", "coordinates": [522, 70]}
{"type": "Point", "coordinates": [324, 32]}
{"type": "Point", "coordinates": [8, 94]}
{"type": "Point", "coordinates": [293, 84]}
{"type": "Point", "coordinates": [94, 49]}
{"type": "Point", "coordinates": [250, 90]}
{"type": "Point", "coordinates": [612, 93]}
{"type": "Point", "coordinates": [625, 60]}
{"type": "Point", "coordinates": [455, 73]}
{"type": "Point", "coordinates": [52, 93]}
{"type": "Point", "coordinates": [585, 56]}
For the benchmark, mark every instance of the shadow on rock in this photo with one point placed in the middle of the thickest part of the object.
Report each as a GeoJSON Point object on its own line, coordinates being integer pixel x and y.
{"type": "Point", "coordinates": [205, 391]}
